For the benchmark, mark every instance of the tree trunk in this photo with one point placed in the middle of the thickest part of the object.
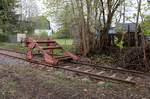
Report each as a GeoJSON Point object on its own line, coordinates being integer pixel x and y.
{"type": "Point", "coordinates": [107, 9]}
{"type": "Point", "coordinates": [137, 22]}
{"type": "Point", "coordinates": [83, 29]}
{"type": "Point", "coordinates": [104, 38]}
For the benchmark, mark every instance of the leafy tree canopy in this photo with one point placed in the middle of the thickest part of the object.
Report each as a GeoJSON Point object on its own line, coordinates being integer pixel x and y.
{"type": "Point", "coordinates": [40, 22]}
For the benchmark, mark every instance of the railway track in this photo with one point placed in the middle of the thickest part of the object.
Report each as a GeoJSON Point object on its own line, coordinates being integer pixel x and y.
{"type": "Point", "coordinates": [103, 73]}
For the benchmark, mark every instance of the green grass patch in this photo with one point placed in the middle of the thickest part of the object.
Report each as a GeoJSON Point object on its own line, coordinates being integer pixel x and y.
{"type": "Point", "coordinates": [65, 43]}
{"type": "Point", "coordinates": [105, 84]}
{"type": "Point", "coordinates": [13, 46]}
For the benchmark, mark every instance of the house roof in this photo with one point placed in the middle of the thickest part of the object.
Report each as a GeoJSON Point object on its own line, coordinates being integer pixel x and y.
{"type": "Point", "coordinates": [127, 27]}
{"type": "Point", "coordinates": [130, 27]}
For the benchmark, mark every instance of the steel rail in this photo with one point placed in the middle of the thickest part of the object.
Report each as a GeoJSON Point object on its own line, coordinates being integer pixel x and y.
{"type": "Point", "coordinates": [92, 75]}
{"type": "Point", "coordinates": [95, 65]}
{"type": "Point", "coordinates": [110, 68]}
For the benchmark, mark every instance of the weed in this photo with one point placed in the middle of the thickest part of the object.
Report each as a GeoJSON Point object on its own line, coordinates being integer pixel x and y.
{"type": "Point", "coordinates": [105, 84]}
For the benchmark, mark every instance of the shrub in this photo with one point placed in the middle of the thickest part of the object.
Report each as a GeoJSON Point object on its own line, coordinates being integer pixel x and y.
{"type": "Point", "coordinates": [147, 32]}
{"type": "Point", "coordinates": [61, 34]}
{"type": "Point", "coordinates": [43, 34]}
{"type": "Point", "coordinates": [3, 38]}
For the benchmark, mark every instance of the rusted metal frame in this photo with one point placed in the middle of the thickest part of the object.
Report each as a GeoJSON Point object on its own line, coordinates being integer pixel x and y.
{"type": "Point", "coordinates": [48, 58]}
{"type": "Point", "coordinates": [67, 53]}
{"type": "Point", "coordinates": [33, 44]}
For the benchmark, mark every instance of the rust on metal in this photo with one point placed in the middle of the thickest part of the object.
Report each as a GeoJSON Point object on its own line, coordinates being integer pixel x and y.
{"type": "Point", "coordinates": [47, 51]}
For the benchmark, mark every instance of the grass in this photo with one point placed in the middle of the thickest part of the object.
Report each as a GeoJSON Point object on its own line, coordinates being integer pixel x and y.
{"type": "Point", "coordinates": [13, 46]}
{"type": "Point", "coordinates": [66, 43]}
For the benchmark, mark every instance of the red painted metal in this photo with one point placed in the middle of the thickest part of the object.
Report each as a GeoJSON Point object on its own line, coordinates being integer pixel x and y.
{"type": "Point", "coordinates": [47, 50]}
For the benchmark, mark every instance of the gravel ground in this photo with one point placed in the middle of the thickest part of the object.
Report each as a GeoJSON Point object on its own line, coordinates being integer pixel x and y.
{"type": "Point", "coordinates": [22, 80]}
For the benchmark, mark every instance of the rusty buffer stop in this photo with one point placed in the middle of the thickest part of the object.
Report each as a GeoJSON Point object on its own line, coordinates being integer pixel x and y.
{"type": "Point", "coordinates": [46, 48]}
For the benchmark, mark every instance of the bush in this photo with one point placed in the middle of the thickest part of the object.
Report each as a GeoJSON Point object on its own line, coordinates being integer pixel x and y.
{"type": "Point", "coordinates": [145, 25]}
{"type": "Point", "coordinates": [43, 34]}
{"type": "Point", "coordinates": [147, 32]}
{"type": "Point", "coordinates": [61, 34]}
{"type": "Point", "coordinates": [3, 38]}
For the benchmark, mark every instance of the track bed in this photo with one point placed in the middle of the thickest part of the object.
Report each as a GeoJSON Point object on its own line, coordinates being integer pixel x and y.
{"type": "Point", "coordinates": [85, 69]}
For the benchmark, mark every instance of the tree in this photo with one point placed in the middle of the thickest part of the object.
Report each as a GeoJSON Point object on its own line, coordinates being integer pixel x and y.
{"type": "Point", "coordinates": [146, 25]}
{"type": "Point", "coordinates": [137, 22]}
{"type": "Point", "coordinates": [8, 17]}
{"type": "Point", "coordinates": [29, 9]}
{"type": "Point", "coordinates": [108, 12]}
{"type": "Point", "coordinates": [40, 22]}
{"type": "Point", "coordinates": [103, 12]}
{"type": "Point", "coordinates": [60, 12]}
{"type": "Point", "coordinates": [93, 19]}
